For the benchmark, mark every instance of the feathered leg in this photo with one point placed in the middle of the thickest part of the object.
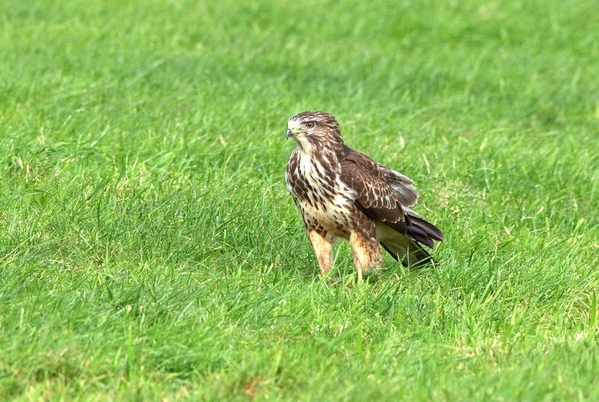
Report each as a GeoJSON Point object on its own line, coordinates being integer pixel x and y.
{"type": "Point", "coordinates": [323, 249]}
{"type": "Point", "coordinates": [367, 253]}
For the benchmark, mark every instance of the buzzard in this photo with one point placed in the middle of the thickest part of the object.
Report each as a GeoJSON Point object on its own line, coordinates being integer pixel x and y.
{"type": "Point", "coordinates": [344, 194]}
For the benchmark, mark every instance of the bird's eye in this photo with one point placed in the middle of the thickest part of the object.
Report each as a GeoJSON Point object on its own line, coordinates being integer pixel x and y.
{"type": "Point", "coordinates": [310, 124]}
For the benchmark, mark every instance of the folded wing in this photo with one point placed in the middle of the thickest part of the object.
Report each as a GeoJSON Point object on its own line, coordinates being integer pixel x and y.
{"type": "Point", "coordinates": [384, 195]}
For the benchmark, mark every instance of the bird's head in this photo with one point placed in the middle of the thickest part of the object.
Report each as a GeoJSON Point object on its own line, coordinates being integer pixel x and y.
{"type": "Point", "coordinates": [314, 130]}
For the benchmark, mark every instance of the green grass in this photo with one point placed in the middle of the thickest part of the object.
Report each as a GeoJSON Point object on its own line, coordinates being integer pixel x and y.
{"type": "Point", "coordinates": [149, 249]}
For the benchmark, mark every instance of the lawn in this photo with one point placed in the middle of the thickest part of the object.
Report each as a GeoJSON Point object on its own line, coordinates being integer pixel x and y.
{"type": "Point", "coordinates": [149, 249]}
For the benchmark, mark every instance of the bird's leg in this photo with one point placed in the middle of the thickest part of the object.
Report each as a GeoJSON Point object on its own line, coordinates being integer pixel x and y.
{"type": "Point", "coordinates": [366, 250]}
{"type": "Point", "coordinates": [323, 249]}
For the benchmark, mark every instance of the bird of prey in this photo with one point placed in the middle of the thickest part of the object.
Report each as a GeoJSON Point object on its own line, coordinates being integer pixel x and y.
{"type": "Point", "coordinates": [344, 194]}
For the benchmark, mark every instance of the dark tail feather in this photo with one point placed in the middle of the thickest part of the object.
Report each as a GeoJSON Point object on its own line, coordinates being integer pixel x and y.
{"type": "Point", "coordinates": [405, 243]}
{"type": "Point", "coordinates": [421, 230]}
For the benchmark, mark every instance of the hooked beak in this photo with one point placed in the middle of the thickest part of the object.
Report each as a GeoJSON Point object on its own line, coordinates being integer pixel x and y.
{"type": "Point", "coordinates": [293, 128]}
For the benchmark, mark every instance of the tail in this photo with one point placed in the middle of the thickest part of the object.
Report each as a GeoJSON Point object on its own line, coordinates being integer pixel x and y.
{"type": "Point", "coordinates": [404, 240]}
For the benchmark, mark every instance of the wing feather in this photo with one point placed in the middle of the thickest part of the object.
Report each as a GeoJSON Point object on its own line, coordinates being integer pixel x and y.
{"type": "Point", "coordinates": [385, 195]}
{"type": "Point", "coordinates": [401, 185]}
{"type": "Point", "coordinates": [374, 194]}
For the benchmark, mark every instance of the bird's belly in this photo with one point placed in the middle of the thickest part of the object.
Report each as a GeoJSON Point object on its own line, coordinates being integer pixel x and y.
{"type": "Point", "coordinates": [328, 218]}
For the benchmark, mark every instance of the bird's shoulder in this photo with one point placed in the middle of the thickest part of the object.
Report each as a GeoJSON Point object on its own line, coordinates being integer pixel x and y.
{"type": "Point", "coordinates": [358, 166]}
{"type": "Point", "coordinates": [367, 175]}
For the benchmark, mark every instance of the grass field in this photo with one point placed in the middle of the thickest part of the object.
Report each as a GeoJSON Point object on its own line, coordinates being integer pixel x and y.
{"type": "Point", "coordinates": [149, 249]}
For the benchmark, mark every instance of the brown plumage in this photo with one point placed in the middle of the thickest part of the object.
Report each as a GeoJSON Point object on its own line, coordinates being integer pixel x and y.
{"type": "Point", "coordinates": [343, 194]}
